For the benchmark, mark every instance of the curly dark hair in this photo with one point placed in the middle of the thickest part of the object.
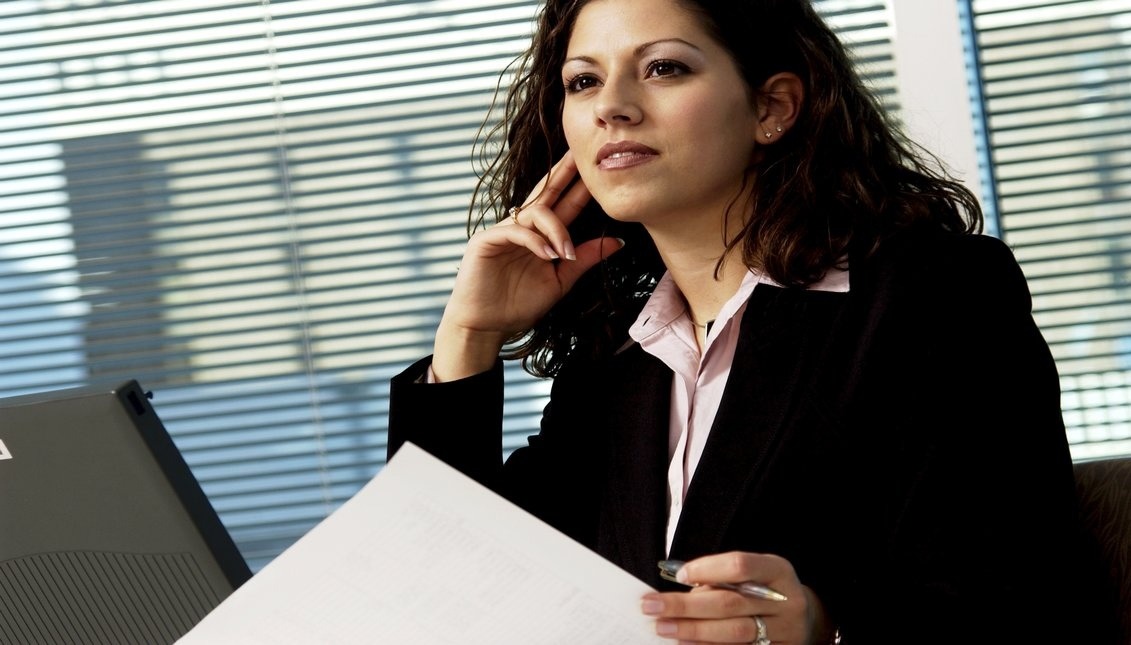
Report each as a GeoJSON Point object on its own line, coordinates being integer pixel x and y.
{"type": "Point", "coordinates": [841, 180]}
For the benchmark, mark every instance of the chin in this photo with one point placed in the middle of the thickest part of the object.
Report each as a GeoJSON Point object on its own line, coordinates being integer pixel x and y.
{"type": "Point", "coordinates": [623, 214]}
{"type": "Point", "coordinates": [623, 208]}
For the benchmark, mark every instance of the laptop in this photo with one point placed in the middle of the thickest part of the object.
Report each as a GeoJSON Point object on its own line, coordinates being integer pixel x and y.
{"type": "Point", "coordinates": [105, 534]}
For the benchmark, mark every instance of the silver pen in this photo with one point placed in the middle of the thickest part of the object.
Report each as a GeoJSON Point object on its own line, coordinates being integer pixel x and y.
{"type": "Point", "coordinates": [668, 569]}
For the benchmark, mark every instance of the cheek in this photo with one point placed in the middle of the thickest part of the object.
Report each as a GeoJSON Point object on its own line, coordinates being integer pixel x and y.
{"type": "Point", "coordinates": [574, 127]}
{"type": "Point", "coordinates": [737, 140]}
{"type": "Point", "coordinates": [707, 113]}
{"type": "Point", "coordinates": [693, 110]}
{"type": "Point", "coordinates": [596, 190]}
{"type": "Point", "coordinates": [571, 125]}
{"type": "Point", "coordinates": [717, 130]}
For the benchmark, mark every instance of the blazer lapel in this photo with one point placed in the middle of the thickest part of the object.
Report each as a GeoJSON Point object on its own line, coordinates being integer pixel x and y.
{"type": "Point", "coordinates": [783, 331]}
{"type": "Point", "coordinates": [634, 512]}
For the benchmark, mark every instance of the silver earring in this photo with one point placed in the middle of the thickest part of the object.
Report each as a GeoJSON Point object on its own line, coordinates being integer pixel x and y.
{"type": "Point", "coordinates": [768, 135]}
{"type": "Point", "coordinates": [778, 128]}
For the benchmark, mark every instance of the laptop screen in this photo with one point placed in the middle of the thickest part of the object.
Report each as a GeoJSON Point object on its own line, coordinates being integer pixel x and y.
{"type": "Point", "coordinates": [105, 535]}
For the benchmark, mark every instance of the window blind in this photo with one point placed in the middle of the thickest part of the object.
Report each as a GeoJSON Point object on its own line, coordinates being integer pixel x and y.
{"type": "Point", "coordinates": [256, 210]}
{"type": "Point", "coordinates": [1057, 91]}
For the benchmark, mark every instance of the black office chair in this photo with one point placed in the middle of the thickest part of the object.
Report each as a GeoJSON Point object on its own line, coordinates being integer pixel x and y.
{"type": "Point", "coordinates": [1104, 489]}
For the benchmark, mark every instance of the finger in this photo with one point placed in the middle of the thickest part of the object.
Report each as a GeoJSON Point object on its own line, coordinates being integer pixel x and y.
{"type": "Point", "coordinates": [572, 202]}
{"type": "Point", "coordinates": [535, 194]}
{"type": "Point", "coordinates": [735, 567]}
{"type": "Point", "coordinates": [500, 238]}
{"type": "Point", "coordinates": [552, 223]}
{"type": "Point", "coordinates": [703, 603]}
{"type": "Point", "coordinates": [588, 255]}
{"type": "Point", "coordinates": [550, 210]}
{"type": "Point", "coordinates": [547, 191]}
{"type": "Point", "coordinates": [550, 226]}
{"type": "Point", "coordinates": [728, 630]}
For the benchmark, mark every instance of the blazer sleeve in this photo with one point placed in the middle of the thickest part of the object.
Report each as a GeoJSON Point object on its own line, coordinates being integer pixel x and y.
{"type": "Point", "coordinates": [556, 476]}
{"type": "Point", "coordinates": [459, 422]}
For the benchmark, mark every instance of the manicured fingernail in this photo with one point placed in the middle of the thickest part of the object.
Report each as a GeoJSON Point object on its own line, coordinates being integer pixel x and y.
{"type": "Point", "coordinates": [570, 253]}
{"type": "Point", "coordinates": [551, 252]}
{"type": "Point", "coordinates": [665, 627]}
{"type": "Point", "coordinates": [651, 606]}
{"type": "Point", "coordinates": [681, 575]}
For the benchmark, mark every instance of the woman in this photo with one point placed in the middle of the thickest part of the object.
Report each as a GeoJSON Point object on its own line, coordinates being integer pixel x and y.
{"type": "Point", "coordinates": [780, 353]}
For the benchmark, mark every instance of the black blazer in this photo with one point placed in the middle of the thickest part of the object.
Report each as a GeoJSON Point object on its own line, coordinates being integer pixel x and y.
{"type": "Point", "coordinates": [901, 444]}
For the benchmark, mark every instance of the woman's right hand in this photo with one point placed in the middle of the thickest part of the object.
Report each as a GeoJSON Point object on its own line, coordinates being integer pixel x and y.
{"type": "Point", "coordinates": [511, 275]}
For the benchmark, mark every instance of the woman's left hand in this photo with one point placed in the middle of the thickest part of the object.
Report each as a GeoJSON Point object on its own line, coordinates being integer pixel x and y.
{"type": "Point", "coordinates": [712, 615]}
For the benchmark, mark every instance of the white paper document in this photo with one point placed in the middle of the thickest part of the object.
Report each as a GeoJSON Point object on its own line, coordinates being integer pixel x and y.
{"type": "Point", "coordinates": [425, 555]}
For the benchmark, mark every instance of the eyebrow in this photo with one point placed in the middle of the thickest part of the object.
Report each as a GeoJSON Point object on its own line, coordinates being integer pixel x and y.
{"type": "Point", "coordinates": [638, 50]}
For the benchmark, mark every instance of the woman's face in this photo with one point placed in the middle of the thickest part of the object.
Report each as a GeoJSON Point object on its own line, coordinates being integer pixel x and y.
{"type": "Point", "coordinates": [658, 117]}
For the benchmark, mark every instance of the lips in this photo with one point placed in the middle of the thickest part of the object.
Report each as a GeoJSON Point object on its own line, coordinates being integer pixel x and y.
{"type": "Point", "coordinates": [624, 154]}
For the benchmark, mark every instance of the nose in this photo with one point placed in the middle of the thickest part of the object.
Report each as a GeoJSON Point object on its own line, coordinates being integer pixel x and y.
{"type": "Point", "coordinates": [617, 104]}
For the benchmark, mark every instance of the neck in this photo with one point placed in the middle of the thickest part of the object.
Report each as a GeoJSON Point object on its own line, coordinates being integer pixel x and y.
{"type": "Point", "coordinates": [693, 268]}
{"type": "Point", "coordinates": [691, 245]}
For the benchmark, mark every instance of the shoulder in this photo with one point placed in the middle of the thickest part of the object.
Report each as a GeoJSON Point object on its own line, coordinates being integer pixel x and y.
{"type": "Point", "coordinates": [943, 281]}
{"type": "Point", "coordinates": [938, 260]}
{"type": "Point", "coordinates": [921, 248]}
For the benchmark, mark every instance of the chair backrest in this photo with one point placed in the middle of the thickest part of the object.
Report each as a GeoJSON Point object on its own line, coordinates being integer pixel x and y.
{"type": "Point", "coordinates": [1104, 489]}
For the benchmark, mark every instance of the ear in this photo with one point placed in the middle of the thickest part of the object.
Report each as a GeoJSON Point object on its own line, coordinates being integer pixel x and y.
{"type": "Point", "coordinates": [779, 104]}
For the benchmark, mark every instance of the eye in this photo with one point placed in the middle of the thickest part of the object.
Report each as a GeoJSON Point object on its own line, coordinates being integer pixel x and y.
{"type": "Point", "coordinates": [579, 83]}
{"type": "Point", "coordinates": [664, 67]}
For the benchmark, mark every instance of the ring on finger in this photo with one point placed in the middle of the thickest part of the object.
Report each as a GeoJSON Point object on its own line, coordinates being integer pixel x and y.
{"type": "Point", "coordinates": [514, 211]}
{"type": "Point", "coordinates": [762, 637]}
